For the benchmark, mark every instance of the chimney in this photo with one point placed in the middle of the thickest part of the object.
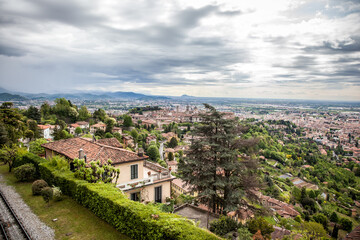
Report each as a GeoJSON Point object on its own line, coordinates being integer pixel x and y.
{"type": "Point", "coordinates": [81, 153]}
{"type": "Point", "coordinates": [140, 152]}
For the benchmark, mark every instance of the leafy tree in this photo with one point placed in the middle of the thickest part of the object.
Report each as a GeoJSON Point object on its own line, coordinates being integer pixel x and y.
{"type": "Point", "coordinates": [35, 146]}
{"type": "Point", "coordinates": [170, 156]}
{"type": "Point", "coordinates": [118, 136]}
{"type": "Point", "coordinates": [10, 155]}
{"type": "Point", "coordinates": [84, 113]}
{"type": "Point", "coordinates": [322, 219]}
{"type": "Point", "coordinates": [334, 217]}
{"type": "Point", "coordinates": [346, 224]}
{"type": "Point", "coordinates": [33, 126]}
{"type": "Point", "coordinates": [3, 135]}
{"type": "Point", "coordinates": [212, 166]}
{"type": "Point", "coordinates": [110, 123]}
{"type": "Point", "coordinates": [29, 134]}
{"type": "Point", "coordinates": [78, 130]}
{"type": "Point", "coordinates": [261, 224]}
{"type": "Point", "coordinates": [173, 142]}
{"type": "Point", "coordinates": [313, 230]}
{"type": "Point", "coordinates": [100, 115]}
{"type": "Point", "coordinates": [33, 113]}
{"type": "Point", "coordinates": [134, 134]}
{"type": "Point", "coordinates": [153, 152]}
{"type": "Point", "coordinates": [10, 118]}
{"type": "Point", "coordinates": [45, 110]}
{"type": "Point", "coordinates": [127, 121]}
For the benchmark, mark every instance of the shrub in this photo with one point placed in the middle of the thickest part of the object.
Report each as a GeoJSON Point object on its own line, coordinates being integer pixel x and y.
{"type": "Point", "coordinates": [346, 224]}
{"type": "Point", "coordinates": [37, 186]}
{"type": "Point", "coordinates": [47, 194]}
{"type": "Point", "coordinates": [25, 172]}
{"type": "Point", "coordinates": [224, 225]}
{"type": "Point", "coordinates": [59, 163]}
{"type": "Point", "coordinates": [57, 194]}
{"type": "Point", "coordinates": [35, 146]}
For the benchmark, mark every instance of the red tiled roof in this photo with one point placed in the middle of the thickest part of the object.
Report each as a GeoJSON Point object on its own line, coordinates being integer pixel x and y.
{"type": "Point", "coordinates": [93, 151]}
{"type": "Point", "coordinates": [113, 142]}
{"type": "Point", "coordinates": [354, 235]}
{"type": "Point", "coordinates": [43, 127]}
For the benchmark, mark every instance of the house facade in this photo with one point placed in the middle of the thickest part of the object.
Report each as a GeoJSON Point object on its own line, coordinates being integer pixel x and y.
{"type": "Point", "coordinates": [139, 179]}
{"type": "Point", "coordinates": [45, 131]}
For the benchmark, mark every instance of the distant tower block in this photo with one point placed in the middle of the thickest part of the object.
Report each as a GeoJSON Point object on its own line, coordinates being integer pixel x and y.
{"type": "Point", "coordinates": [187, 108]}
{"type": "Point", "coordinates": [177, 108]}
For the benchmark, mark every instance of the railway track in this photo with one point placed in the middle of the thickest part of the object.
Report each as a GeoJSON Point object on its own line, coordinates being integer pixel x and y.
{"type": "Point", "coordinates": [11, 227]}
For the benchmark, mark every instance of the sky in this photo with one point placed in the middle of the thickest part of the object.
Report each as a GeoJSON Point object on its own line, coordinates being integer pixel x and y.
{"type": "Point", "coordinates": [247, 49]}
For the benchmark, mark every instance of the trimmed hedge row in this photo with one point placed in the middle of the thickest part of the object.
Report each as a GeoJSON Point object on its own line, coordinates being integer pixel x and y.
{"type": "Point", "coordinates": [134, 219]}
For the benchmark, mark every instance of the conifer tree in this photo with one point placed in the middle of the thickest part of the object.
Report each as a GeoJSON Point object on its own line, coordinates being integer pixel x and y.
{"type": "Point", "coordinates": [213, 166]}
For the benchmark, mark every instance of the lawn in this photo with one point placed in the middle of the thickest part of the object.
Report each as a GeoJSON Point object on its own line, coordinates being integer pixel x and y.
{"type": "Point", "coordinates": [73, 220]}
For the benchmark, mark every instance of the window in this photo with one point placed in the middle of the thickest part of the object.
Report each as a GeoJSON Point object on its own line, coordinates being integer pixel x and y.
{"type": "Point", "coordinates": [135, 196]}
{"type": "Point", "coordinates": [158, 193]}
{"type": "Point", "coordinates": [134, 171]}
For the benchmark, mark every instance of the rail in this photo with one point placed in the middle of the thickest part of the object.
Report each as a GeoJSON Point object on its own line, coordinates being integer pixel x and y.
{"type": "Point", "coordinates": [18, 222]}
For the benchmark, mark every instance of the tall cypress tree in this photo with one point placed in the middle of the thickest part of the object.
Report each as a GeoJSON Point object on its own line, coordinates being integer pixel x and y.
{"type": "Point", "coordinates": [213, 166]}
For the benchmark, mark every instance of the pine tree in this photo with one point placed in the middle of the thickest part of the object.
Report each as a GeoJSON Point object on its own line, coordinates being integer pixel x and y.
{"type": "Point", "coordinates": [213, 166]}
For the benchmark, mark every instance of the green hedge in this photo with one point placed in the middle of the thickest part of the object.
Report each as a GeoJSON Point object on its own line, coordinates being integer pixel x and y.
{"type": "Point", "coordinates": [29, 158]}
{"type": "Point", "coordinates": [134, 219]}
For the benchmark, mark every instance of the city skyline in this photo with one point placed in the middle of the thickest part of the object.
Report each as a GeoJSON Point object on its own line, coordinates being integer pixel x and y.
{"type": "Point", "coordinates": [262, 49]}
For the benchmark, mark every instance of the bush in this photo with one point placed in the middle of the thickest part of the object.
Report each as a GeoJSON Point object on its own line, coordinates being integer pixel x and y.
{"type": "Point", "coordinates": [37, 186]}
{"type": "Point", "coordinates": [346, 224]}
{"type": "Point", "coordinates": [224, 225]}
{"type": "Point", "coordinates": [35, 146]}
{"type": "Point", "coordinates": [57, 194]}
{"type": "Point", "coordinates": [47, 194]}
{"type": "Point", "coordinates": [25, 172]}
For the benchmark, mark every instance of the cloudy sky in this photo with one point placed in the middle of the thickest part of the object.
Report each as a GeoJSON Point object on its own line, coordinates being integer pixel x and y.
{"type": "Point", "coordinates": [259, 48]}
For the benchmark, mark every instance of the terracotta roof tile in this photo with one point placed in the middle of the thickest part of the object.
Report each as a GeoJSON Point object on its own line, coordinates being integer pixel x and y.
{"type": "Point", "coordinates": [113, 142]}
{"type": "Point", "coordinates": [93, 151]}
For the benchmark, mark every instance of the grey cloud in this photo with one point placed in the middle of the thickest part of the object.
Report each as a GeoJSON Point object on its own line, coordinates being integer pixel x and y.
{"type": "Point", "coordinates": [10, 51]}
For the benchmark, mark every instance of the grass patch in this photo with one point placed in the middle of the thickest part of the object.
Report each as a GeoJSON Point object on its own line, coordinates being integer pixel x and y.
{"type": "Point", "coordinates": [74, 221]}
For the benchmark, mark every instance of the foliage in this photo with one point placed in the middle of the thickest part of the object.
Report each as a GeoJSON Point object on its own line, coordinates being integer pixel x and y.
{"type": "Point", "coordinates": [313, 230]}
{"type": "Point", "coordinates": [261, 224]}
{"type": "Point", "coordinates": [153, 152]}
{"type": "Point", "coordinates": [33, 113]}
{"type": "Point", "coordinates": [59, 163]}
{"type": "Point", "coordinates": [84, 114]}
{"type": "Point", "coordinates": [37, 186]}
{"type": "Point", "coordinates": [212, 163]}
{"type": "Point", "coordinates": [10, 155]}
{"type": "Point", "coordinates": [334, 217]}
{"type": "Point", "coordinates": [100, 115]}
{"type": "Point", "coordinates": [108, 135]}
{"type": "Point", "coordinates": [110, 123]}
{"type": "Point", "coordinates": [10, 120]}
{"type": "Point", "coordinates": [95, 173]}
{"type": "Point", "coordinates": [346, 224]}
{"type": "Point", "coordinates": [173, 142]}
{"type": "Point", "coordinates": [25, 172]}
{"type": "Point", "coordinates": [224, 225]}
{"type": "Point", "coordinates": [47, 194]}
{"type": "Point", "coordinates": [57, 194]}
{"type": "Point", "coordinates": [127, 121]}
{"type": "Point", "coordinates": [244, 234]}
{"type": "Point", "coordinates": [78, 130]}
{"type": "Point", "coordinates": [35, 146]}
{"type": "Point", "coordinates": [170, 156]}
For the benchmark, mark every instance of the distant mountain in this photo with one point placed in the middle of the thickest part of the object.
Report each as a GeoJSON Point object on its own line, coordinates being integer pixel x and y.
{"type": "Point", "coordinates": [11, 97]}
{"type": "Point", "coordinates": [77, 95]}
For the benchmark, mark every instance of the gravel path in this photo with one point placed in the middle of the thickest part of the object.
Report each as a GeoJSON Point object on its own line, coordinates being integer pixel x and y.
{"type": "Point", "coordinates": [36, 229]}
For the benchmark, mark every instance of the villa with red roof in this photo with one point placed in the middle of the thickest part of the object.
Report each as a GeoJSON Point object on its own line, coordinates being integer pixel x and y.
{"type": "Point", "coordinates": [140, 179]}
